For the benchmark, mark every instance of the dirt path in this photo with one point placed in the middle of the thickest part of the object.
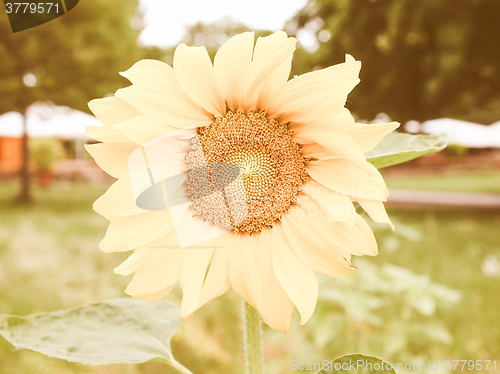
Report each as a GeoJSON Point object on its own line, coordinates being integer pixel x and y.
{"type": "Point", "coordinates": [443, 199]}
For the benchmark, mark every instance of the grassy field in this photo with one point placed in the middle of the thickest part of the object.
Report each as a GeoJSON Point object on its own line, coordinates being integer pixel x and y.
{"type": "Point", "coordinates": [481, 181]}
{"type": "Point", "coordinates": [49, 259]}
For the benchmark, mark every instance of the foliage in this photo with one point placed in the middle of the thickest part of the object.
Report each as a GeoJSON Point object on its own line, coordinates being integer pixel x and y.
{"type": "Point", "coordinates": [74, 58]}
{"type": "Point", "coordinates": [359, 364]}
{"type": "Point", "coordinates": [412, 298]}
{"type": "Point", "coordinates": [45, 257]}
{"type": "Point", "coordinates": [115, 331]}
{"type": "Point", "coordinates": [44, 153]}
{"type": "Point", "coordinates": [397, 148]}
{"type": "Point", "coordinates": [479, 181]}
{"type": "Point", "coordinates": [421, 59]}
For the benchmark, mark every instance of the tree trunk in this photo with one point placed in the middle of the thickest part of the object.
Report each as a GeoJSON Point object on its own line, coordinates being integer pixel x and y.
{"type": "Point", "coordinates": [25, 195]}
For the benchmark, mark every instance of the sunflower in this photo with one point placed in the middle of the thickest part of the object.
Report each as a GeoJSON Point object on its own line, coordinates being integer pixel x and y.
{"type": "Point", "coordinates": [229, 175]}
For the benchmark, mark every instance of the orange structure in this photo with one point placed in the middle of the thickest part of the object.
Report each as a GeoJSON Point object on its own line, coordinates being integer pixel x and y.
{"type": "Point", "coordinates": [10, 155]}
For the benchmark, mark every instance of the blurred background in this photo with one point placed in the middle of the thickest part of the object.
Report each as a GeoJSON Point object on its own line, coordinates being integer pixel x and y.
{"type": "Point", "coordinates": [433, 65]}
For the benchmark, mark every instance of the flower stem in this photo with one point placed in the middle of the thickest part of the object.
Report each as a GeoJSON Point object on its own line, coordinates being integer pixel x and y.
{"type": "Point", "coordinates": [178, 367]}
{"type": "Point", "coordinates": [252, 339]}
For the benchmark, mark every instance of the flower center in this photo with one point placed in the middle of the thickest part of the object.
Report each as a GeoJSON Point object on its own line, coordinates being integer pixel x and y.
{"type": "Point", "coordinates": [244, 171]}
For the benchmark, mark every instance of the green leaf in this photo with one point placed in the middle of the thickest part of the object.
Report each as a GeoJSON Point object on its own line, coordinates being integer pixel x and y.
{"type": "Point", "coordinates": [119, 331]}
{"type": "Point", "coordinates": [358, 363]}
{"type": "Point", "coordinates": [397, 148]}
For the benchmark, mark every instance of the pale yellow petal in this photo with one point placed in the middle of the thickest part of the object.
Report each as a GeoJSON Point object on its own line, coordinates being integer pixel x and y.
{"type": "Point", "coordinates": [217, 281]}
{"type": "Point", "coordinates": [334, 205]}
{"type": "Point", "coordinates": [106, 134]}
{"type": "Point", "coordinates": [299, 282]}
{"type": "Point", "coordinates": [151, 73]}
{"type": "Point", "coordinates": [368, 136]}
{"type": "Point", "coordinates": [152, 297]}
{"type": "Point", "coordinates": [231, 64]}
{"type": "Point", "coordinates": [359, 240]}
{"type": "Point", "coordinates": [305, 95]}
{"type": "Point", "coordinates": [126, 233]}
{"type": "Point", "coordinates": [195, 73]}
{"type": "Point", "coordinates": [112, 157]}
{"type": "Point", "coordinates": [163, 272]}
{"type": "Point", "coordinates": [193, 274]}
{"type": "Point", "coordinates": [165, 106]}
{"type": "Point", "coordinates": [99, 132]}
{"type": "Point", "coordinates": [318, 152]}
{"type": "Point", "coordinates": [376, 210]}
{"type": "Point", "coordinates": [268, 71]}
{"type": "Point", "coordinates": [244, 273]}
{"type": "Point", "coordinates": [112, 110]}
{"type": "Point", "coordinates": [344, 177]}
{"type": "Point", "coordinates": [252, 278]}
{"type": "Point", "coordinates": [314, 245]}
{"type": "Point", "coordinates": [142, 129]}
{"type": "Point", "coordinates": [338, 142]}
{"type": "Point", "coordinates": [117, 201]}
{"type": "Point", "coordinates": [148, 257]}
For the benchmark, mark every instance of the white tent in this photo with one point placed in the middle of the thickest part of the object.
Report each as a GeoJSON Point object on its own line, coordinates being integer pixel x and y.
{"type": "Point", "coordinates": [46, 120]}
{"type": "Point", "coordinates": [467, 134]}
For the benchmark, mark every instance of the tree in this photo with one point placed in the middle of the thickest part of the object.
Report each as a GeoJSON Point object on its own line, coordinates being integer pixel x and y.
{"type": "Point", "coordinates": [421, 59]}
{"type": "Point", "coordinates": [69, 60]}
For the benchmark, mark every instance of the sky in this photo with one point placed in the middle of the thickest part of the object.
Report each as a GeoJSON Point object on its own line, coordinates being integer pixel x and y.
{"type": "Point", "coordinates": [166, 20]}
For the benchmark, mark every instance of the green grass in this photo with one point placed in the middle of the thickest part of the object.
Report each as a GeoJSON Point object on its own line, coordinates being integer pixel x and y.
{"type": "Point", "coordinates": [480, 181]}
{"type": "Point", "coordinates": [452, 246]}
{"type": "Point", "coordinates": [49, 259]}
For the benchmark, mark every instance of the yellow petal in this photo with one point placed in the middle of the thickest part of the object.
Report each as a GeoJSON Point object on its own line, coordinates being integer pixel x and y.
{"type": "Point", "coordinates": [105, 134]}
{"type": "Point", "coordinates": [165, 106]}
{"type": "Point", "coordinates": [252, 278]}
{"type": "Point", "coordinates": [359, 240]}
{"type": "Point", "coordinates": [160, 275]}
{"type": "Point", "coordinates": [268, 71]}
{"type": "Point", "coordinates": [344, 177]}
{"type": "Point", "coordinates": [310, 93]}
{"type": "Point", "coordinates": [163, 274]}
{"type": "Point", "coordinates": [193, 274]}
{"type": "Point", "coordinates": [112, 157]}
{"type": "Point", "coordinates": [164, 250]}
{"type": "Point", "coordinates": [299, 282]}
{"type": "Point", "coordinates": [368, 136]}
{"type": "Point", "coordinates": [334, 205]}
{"type": "Point", "coordinates": [142, 129]}
{"type": "Point", "coordinates": [217, 281]}
{"type": "Point", "coordinates": [314, 246]}
{"type": "Point", "coordinates": [117, 201]}
{"type": "Point", "coordinates": [314, 150]}
{"type": "Point", "coordinates": [244, 273]}
{"type": "Point", "coordinates": [99, 132]}
{"type": "Point", "coordinates": [112, 110]}
{"type": "Point", "coordinates": [339, 143]}
{"type": "Point", "coordinates": [376, 211]}
{"type": "Point", "coordinates": [231, 63]}
{"type": "Point", "coordinates": [152, 297]}
{"type": "Point", "coordinates": [151, 73]}
{"type": "Point", "coordinates": [126, 233]}
{"type": "Point", "coordinates": [196, 75]}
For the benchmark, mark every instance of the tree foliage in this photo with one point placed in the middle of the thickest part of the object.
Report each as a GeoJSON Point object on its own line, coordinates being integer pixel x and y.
{"type": "Point", "coordinates": [74, 58]}
{"type": "Point", "coordinates": [421, 59]}
{"type": "Point", "coordinates": [68, 61]}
